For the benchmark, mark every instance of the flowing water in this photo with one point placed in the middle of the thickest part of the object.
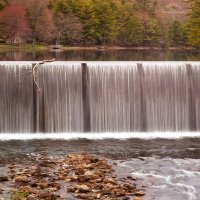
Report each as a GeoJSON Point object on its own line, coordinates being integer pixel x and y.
{"type": "Point", "coordinates": [134, 101]}
{"type": "Point", "coordinates": [100, 97]}
{"type": "Point", "coordinates": [170, 169]}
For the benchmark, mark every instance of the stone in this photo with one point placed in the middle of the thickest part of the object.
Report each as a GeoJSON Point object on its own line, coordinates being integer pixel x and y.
{"type": "Point", "coordinates": [45, 194]}
{"type": "Point", "coordinates": [131, 178]}
{"type": "Point", "coordinates": [42, 185]}
{"type": "Point", "coordinates": [23, 179]}
{"type": "Point", "coordinates": [3, 178]}
{"type": "Point", "coordinates": [82, 188]}
{"type": "Point", "coordinates": [137, 198]}
{"type": "Point", "coordinates": [139, 193]}
{"type": "Point", "coordinates": [31, 197]}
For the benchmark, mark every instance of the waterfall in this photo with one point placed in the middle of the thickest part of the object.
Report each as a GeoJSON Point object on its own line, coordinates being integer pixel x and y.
{"type": "Point", "coordinates": [100, 97]}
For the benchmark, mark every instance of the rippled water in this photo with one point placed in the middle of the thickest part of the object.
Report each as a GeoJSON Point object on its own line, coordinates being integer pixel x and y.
{"type": "Point", "coordinates": [167, 178]}
{"type": "Point", "coordinates": [170, 169]}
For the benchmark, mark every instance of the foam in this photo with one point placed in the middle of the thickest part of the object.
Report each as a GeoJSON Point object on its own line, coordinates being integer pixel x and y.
{"type": "Point", "coordinates": [98, 136]}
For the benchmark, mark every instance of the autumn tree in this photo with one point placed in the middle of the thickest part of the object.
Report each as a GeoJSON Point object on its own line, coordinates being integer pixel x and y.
{"type": "Point", "coordinates": [35, 9]}
{"type": "Point", "coordinates": [14, 23]}
{"type": "Point", "coordinates": [69, 28]}
{"type": "Point", "coordinates": [46, 30]}
{"type": "Point", "coordinates": [193, 23]}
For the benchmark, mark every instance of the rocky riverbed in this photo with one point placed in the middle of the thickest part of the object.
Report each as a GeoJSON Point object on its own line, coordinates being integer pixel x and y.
{"type": "Point", "coordinates": [168, 168]}
{"type": "Point", "coordinates": [74, 176]}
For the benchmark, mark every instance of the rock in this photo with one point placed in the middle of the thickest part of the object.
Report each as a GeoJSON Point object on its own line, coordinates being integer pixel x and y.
{"type": "Point", "coordinates": [47, 163]}
{"type": "Point", "coordinates": [82, 188]}
{"type": "Point", "coordinates": [43, 185]}
{"type": "Point", "coordinates": [71, 189]}
{"type": "Point", "coordinates": [31, 197]}
{"type": "Point", "coordinates": [23, 179]}
{"type": "Point", "coordinates": [29, 190]}
{"type": "Point", "coordinates": [45, 194]}
{"type": "Point", "coordinates": [129, 186]}
{"type": "Point", "coordinates": [3, 178]}
{"type": "Point", "coordinates": [111, 180]}
{"type": "Point", "coordinates": [131, 178]}
{"type": "Point", "coordinates": [139, 193]}
{"type": "Point", "coordinates": [33, 183]}
{"type": "Point", "coordinates": [83, 196]}
{"type": "Point", "coordinates": [137, 198]}
{"type": "Point", "coordinates": [89, 173]}
{"type": "Point", "coordinates": [105, 192]}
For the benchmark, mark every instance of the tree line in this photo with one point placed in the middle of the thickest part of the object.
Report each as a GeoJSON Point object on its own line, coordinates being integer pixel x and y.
{"type": "Point", "coordinates": [96, 22]}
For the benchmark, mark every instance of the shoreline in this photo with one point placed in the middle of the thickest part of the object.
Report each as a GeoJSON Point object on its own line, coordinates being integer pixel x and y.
{"type": "Point", "coordinates": [6, 47]}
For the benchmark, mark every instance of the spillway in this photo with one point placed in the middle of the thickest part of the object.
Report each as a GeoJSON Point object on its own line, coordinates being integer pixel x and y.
{"type": "Point", "coordinates": [100, 97]}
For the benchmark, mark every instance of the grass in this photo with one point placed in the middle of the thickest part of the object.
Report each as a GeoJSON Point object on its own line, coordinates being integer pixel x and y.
{"type": "Point", "coordinates": [7, 47]}
{"type": "Point", "coordinates": [20, 195]}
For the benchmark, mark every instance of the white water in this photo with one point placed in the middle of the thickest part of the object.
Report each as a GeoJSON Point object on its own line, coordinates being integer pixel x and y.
{"type": "Point", "coordinates": [167, 178]}
{"type": "Point", "coordinates": [121, 97]}
{"type": "Point", "coordinates": [98, 136]}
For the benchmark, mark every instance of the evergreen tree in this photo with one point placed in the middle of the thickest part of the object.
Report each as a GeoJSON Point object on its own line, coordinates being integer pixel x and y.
{"type": "Point", "coordinates": [177, 35]}
{"type": "Point", "coordinates": [86, 13]}
{"type": "Point", "coordinates": [106, 26]}
{"type": "Point", "coordinates": [132, 33]}
{"type": "Point", "coordinates": [152, 35]}
{"type": "Point", "coordinates": [193, 23]}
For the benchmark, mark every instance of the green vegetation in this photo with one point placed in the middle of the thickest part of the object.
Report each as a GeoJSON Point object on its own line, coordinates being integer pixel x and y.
{"type": "Point", "coordinates": [177, 34]}
{"type": "Point", "coordinates": [19, 195]}
{"type": "Point", "coordinates": [28, 47]}
{"type": "Point", "coordinates": [112, 22]}
{"type": "Point", "coordinates": [96, 22]}
{"type": "Point", "coordinates": [3, 4]}
{"type": "Point", "coordinates": [193, 23]}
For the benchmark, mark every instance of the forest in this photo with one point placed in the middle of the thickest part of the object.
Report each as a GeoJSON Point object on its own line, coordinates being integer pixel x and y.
{"type": "Point", "coordinates": [129, 23]}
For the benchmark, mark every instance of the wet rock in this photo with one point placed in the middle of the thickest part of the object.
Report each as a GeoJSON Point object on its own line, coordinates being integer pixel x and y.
{"type": "Point", "coordinates": [23, 179]}
{"type": "Point", "coordinates": [139, 193]}
{"type": "Point", "coordinates": [131, 178]}
{"type": "Point", "coordinates": [83, 196]}
{"type": "Point", "coordinates": [42, 185]}
{"type": "Point", "coordinates": [82, 188]}
{"type": "Point", "coordinates": [47, 163]}
{"type": "Point", "coordinates": [44, 194]}
{"type": "Point", "coordinates": [29, 190]}
{"type": "Point", "coordinates": [31, 197]}
{"type": "Point", "coordinates": [33, 183]}
{"type": "Point", "coordinates": [3, 178]}
{"type": "Point", "coordinates": [137, 198]}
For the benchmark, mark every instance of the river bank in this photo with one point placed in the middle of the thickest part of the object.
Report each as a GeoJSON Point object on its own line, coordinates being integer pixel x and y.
{"type": "Point", "coordinates": [6, 47]}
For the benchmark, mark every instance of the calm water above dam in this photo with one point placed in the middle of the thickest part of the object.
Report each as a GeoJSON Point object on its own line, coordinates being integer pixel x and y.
{"type": "Point", "coordinates": [99, 55]}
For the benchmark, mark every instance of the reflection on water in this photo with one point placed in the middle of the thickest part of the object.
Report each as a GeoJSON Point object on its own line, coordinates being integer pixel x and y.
{"type": "Point", "coordinates": [107, 55]}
